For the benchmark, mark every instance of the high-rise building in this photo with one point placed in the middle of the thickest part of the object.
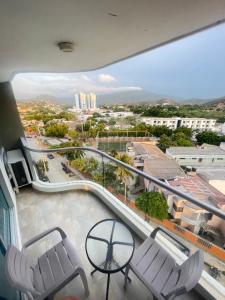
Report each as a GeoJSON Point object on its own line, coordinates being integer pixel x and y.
{"type": "Point", "coordinates": [85, 101]}
{"type": "Point", "coordinates": [92, 101]}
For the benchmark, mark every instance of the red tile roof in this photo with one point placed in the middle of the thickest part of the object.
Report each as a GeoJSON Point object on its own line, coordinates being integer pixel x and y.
{"type": "Point", "coordinates": [199, 189]}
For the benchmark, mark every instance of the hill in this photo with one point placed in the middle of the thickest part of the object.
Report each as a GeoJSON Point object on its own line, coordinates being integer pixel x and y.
{"type": "Point", "coordinates": [218, 103]}
{"type": "Point", "coordinates": [167, 101]}
{"type": "Point", "coordinates": [135, 97]}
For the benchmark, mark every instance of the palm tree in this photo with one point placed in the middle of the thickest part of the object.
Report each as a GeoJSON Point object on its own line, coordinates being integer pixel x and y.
{"type": "Point", "coordinates": [113, 153]}
{"type": "Point", "coordinates": [122, 173]}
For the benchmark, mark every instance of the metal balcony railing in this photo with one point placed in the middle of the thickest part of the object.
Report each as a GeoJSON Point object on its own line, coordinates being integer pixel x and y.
{"type": "Point", "coordinates": [108, 189]}
{"type": "Point", "coordinates": [212, 209]}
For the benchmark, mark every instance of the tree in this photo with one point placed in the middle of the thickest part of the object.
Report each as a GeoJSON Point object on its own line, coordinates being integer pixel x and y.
{"type": "Point", "coordinates": [180, 139]}
{"type": "Point", "coordinates": [86, 126]}
{"type": "Point", "coordinates": [96, 115]}
{"type": "Point", "coordinates": [113, 153]}
{"type": "Point", "coordinates": [184, 142]}
{"type": "Point", "coordinates": [43, 165]}
{"type": "Point", "coordinates": [92, 132]}
{"type": "Point", "coordinates": [122, 173]}
{"type": "Point", "coordinates": [56, 130]}
{"type": "Point", "coordinates": [208, 137]}
{"type": "Point", "coordinates": [72, 154]}
{"type": "Point", "coordinates": [101, 126]}
{"type": "Point", "coordinates": [112, 121]}
{"type": "Point", "coordinates": [85, 164]}
{"type": "Point", "coordinates": [186, 131]}
{"type": "Point", "coordinates": [153, 204]}
{"type": "Point", "coordinates": [73, 134]}
{"type": "Point", "coordinates": [65, 115]}
{"type": "Point", "coordinates": [160, 130]}
{"type": "Point", "coordinates": [91, 165]}
{"type": "Point", "coordinates": [165, 142]}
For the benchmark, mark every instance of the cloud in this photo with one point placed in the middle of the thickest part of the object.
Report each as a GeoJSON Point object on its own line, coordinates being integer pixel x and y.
{"type": "Point", "coordinates": [106, 78]}
{"type": "Point", "coordinates": [62, 86]}
{"type": "Point", "coordinates": [85, 77]}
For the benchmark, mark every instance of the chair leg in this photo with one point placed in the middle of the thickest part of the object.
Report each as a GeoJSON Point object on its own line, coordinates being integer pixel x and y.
{"type": "Point", "coordinates": [126, 276]}
{"type": "Point", "coordinates": [84, 281]}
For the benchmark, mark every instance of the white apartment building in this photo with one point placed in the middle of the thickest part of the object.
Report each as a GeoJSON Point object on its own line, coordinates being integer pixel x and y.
{"type": "Point", "coordinates": [85, 101]}
{"type": "Point", "coordinates": [172, 123]}
{"type": "Point", "coordinates": [119, 114]}
{"type": "Point", "coordinates": [205, 156]}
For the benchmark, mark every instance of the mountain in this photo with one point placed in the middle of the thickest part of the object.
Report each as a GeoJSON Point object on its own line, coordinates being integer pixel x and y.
{"type": "Point", "coordinates": [193, 101]}
{"type": "Point", "coordinates": [168, 101]}
{"type": "Point", "coordinates": [136, 97]}
{"type": "Point", "coordinates": [133, 97]}
{"type": "Point", "coordinates": [218, 103]}
{"type": "Point", "coordinates": [50, 98]}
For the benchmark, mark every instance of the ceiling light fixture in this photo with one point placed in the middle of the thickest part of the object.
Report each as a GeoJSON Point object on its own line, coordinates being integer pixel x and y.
{"type": "Point", "coordinates": [112, 14]}
{"type": "Point", "coordinates": [66, 46]}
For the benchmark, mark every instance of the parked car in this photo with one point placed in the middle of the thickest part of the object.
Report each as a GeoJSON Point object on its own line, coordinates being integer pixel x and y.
{"type": "Point", "coordinates": [50, 156]}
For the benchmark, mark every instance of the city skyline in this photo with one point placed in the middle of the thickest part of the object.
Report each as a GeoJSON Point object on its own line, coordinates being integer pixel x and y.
{"type": "Point", "coordinates": [189, 68]}
{"type": "Point", "coordinates": [85, 101]}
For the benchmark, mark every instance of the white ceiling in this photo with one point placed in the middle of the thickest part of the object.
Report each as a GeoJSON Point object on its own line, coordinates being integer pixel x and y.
{"type": "Point", "coordinates": [30, 29]}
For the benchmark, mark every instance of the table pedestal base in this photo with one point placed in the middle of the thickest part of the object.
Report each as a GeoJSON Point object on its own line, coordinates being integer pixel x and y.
{"type": "Point", "coordinates": [108, 280]}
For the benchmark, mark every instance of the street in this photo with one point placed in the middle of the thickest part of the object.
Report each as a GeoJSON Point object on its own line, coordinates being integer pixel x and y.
{"type": "Point", "coordinates": [55, 173]}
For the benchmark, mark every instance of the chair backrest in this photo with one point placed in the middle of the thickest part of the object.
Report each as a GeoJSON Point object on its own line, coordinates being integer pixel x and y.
{"type": "Point", "coordinates": [191, 270]}
{"type": "Point", "coordinates": [186, 276]}
{"type": "Point", "coordinates": [18, 271]}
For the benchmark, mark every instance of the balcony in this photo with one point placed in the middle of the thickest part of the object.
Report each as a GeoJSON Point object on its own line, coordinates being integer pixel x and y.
{"type": "Point", "coordinates": [76, 212]}
{"type": "Point", "coordinates": [191, 219]}
{"type": "Point", "coordinates": [104, 199]}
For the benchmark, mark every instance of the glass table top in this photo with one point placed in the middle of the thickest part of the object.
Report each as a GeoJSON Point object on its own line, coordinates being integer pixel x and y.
{"type": "Point", "coordinates": [109, 246]}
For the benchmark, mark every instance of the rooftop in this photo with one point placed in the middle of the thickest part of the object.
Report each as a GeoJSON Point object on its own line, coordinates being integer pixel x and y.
{"type": "Point", "coordinates": [76, 212]}
{"type": "Point", "coordinates": [151, 150]}
{"type": "Point", "coordinates": [212, 173]}
{"type": "Point", "coordinates": [163, 169]}
{"type": "Point", "coordinates": [179, 118]}
{"type": "Point", "coordinates": [216, 150]}
{"type": "Point", "coordinates": [199, 188]}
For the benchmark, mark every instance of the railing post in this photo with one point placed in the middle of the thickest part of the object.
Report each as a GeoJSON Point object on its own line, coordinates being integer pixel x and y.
{"type": "Point", "coordinates": [2, 245]}
{"type": "Point", "coordinates": [103, 172]}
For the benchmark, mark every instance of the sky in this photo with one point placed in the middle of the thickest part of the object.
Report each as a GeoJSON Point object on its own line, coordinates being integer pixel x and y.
{"type": "Point", "coordinates": [193, 67]}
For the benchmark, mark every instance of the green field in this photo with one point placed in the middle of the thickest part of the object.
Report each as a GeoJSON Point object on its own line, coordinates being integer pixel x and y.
{"type": "Point", "coordinates": [109, 146]}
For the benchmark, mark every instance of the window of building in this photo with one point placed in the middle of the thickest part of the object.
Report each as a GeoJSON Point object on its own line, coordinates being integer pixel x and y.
{"type": "Point", "coordinates": [177, 209]}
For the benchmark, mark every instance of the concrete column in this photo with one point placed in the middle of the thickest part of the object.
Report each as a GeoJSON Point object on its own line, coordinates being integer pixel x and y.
{"type": "Point", "coordinates": [10, 124]}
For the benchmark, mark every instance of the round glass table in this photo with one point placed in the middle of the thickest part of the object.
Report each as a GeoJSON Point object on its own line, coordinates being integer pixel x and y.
{"type": "Point", "coordinates": [109, 247]}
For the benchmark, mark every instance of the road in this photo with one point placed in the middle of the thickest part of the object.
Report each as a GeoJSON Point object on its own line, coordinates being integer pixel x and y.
{"type": "Point", "coordinates": [55, 173]}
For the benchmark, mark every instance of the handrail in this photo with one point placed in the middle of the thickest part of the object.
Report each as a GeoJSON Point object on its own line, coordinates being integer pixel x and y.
{"type": "Point", "coordinates": [218, 212]}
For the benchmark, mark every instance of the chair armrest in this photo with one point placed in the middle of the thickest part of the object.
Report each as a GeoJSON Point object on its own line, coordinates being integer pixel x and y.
{"type": "Point", "coordinates": [43, 234]}
{"type": "Point", "coordinates": [186, 250]}
{"type": "Point", "coordinates": [175, 292]}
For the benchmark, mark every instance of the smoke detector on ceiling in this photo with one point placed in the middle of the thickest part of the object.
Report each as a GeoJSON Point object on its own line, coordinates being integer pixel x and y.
{"type": "Point", "coordinates": [66, 46]}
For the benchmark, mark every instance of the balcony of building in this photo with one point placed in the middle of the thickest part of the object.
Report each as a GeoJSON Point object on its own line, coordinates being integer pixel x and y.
{"type": "Point", "coordinates": [78, 203]}
{"type": "Point", "coordinates": [76, 212]}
